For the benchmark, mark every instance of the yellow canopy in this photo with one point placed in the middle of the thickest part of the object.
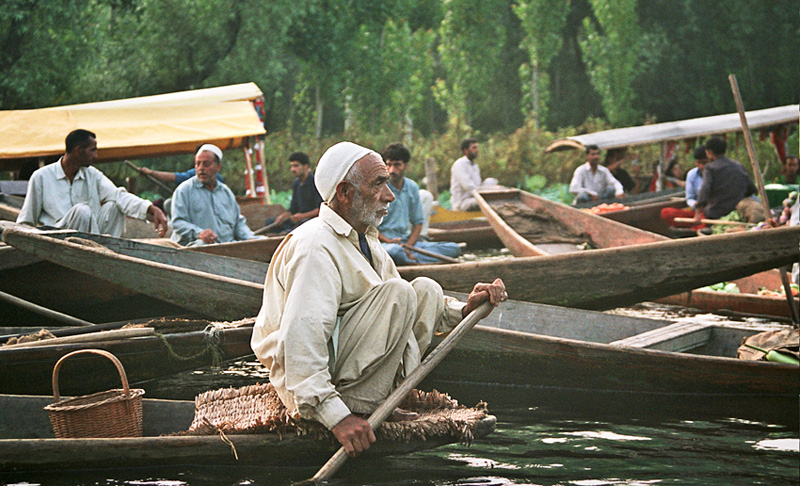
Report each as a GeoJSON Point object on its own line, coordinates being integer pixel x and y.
{"type": "Point", "coordinates": [151, 126]}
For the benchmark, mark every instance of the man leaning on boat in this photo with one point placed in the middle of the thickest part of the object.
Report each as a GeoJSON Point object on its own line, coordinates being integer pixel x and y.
{"type": "Point", "coordinates": [72, 194]}
{"type": "Point", "coordinates": [339, 328]}
{"type": "Point", "coordinates": [204, 210]}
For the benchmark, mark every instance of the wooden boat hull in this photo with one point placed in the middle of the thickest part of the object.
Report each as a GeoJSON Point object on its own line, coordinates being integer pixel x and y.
{"type": "Point", "coordinates": [260, 250]}
{"type": "Point", "coordinates": [476, 233]}
{"type": "Point", "coordinates": [604, 233]}
{"type": "Point", "coordinates": [528, 354]}
{"type": "Point", "coordinates": [27, 445]}
{"type": "Point", "coordinates": [618, 276]}
{"type": "Point", "coordinates": [614, 277]}
{"type": "Point", "coordinates": [169, 274]}
{"type": "Point", "coordinates": [646, 216]}
{"type": "Point", "coordinates": [10, 206]}
{"type": "Point", "coordinates": [29, 370]}
{"type": "Point", "coordinates": [444, 215]}
{"type": "Point", "coordinates": [747, 301]}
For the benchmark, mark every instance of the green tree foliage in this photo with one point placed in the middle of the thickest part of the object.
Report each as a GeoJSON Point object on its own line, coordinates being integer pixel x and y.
{"type": "Point", "coordinates": [40, 45]}
{"type": "Point", "coordinates": [612, 54]}
{"type": "Point", "coordinates": [447, 68]}
{"type": "Point", "coordinates": [471, 41]}
{"type": "Point", "coordinates": [391, 93]}
{"type": "Point", "coordinates": [542, 22]}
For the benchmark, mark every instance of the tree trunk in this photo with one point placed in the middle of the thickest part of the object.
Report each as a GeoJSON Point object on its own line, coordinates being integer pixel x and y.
{"type": "Point", "coordinates": [319, 107]}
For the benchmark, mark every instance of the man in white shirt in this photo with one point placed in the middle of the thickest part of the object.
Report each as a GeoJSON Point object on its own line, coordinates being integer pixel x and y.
{"type": "Point", "coordinates": [72, 194]}
{"type": "Point", "coordinates": [338, 328]}
{"type": "Point", "coordinates": [465, 177]}
{"type": "Point", "coordinates": [593, 182]}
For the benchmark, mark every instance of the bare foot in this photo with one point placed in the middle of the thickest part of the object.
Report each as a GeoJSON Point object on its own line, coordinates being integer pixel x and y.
{"type": "Point", "coordinates": [400, 415]}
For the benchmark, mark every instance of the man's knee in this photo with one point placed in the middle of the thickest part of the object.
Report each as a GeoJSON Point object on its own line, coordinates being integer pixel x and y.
{"type": "Point", "coordinates": [424, 286]}
{"type": "Point", "coordinates": [82, 212]}
{"type": "Point", "coordinates": [399, 287]}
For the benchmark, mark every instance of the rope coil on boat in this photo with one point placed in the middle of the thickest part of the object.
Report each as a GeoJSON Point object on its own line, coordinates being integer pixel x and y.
{"type": "Point", "coordinates": [212, 344]}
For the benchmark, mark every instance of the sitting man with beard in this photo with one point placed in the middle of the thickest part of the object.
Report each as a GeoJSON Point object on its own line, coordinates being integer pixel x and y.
{"type": "Point", "coordinates": [339, 329]}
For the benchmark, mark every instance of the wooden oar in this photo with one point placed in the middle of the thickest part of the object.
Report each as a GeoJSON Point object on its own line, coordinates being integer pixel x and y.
{"type": "Point", "coordinates": [264, 230]}
{"type": "Point", "coordinates": [762, 193]}
{"type": "Point", "coordinates": [429, 253]}
{"type": "Point", "coordinates": [714, 221]}
{"type": "Point", "coordinates": [401, 392]}
{"type": "Point", "coordinates": [156, 181]}
{"type": "Point", "coordinates": [55, 315]}
{"type": "Point", "coordinates": [88, 338]}
{"type": "Point", "coordinates": [75, 331]}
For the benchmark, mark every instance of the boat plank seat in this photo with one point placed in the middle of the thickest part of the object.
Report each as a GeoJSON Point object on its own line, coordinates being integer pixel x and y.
{"type": "Point", "coordinates": [678, 337]}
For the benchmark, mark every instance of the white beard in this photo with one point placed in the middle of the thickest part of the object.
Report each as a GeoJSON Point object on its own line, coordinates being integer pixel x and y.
{"type": "Point", "coordinates": [364, 214]}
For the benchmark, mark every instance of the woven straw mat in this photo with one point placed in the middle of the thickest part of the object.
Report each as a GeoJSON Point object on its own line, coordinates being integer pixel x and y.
{"type": "Point", "coordinates": [258, 409]}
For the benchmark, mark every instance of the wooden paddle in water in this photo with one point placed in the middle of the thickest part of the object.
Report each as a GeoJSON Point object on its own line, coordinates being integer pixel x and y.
{"type": "Point", "coordinates": [762, 193]}
{"type": "Point", "coordinates": [399, 394]}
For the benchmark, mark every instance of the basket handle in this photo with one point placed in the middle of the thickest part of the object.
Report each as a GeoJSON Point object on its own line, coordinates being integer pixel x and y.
{"type": "Point", "coordinates": [101, 352]}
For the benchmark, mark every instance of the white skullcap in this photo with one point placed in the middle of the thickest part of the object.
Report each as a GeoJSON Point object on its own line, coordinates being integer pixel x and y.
{"type": "Point", "coordinates": [334, 165]}
{"type": "Point", "coordinates": [211, 148]}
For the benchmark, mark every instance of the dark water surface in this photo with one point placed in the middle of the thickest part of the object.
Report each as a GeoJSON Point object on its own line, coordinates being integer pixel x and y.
{"type": "Point", "coordinates": [533, 446]}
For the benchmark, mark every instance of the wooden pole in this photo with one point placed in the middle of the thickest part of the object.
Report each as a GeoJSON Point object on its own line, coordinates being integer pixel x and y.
{"type": "Point", "coordinates": [248, 172]}
{"type": "Point", "coordinates": [431, 175]}
{"type": "Point", "coordinates": [88, 338]}
{"type": "Point", "coordinates": [751, 150]}
{"type": "Point", "coordinates": [30, 306]}
{"type": "Point", "coordinates": [762, 193]}
{"type": "Point", "coordinates": [266, 229]}
{"type": "Point", "coordinates": [714, 221]}
{"type": "Point", "coordinates": [260, 149]}
{"type": "Point", "coordinates": [429, 253]}
{"type": "Point", "coordinates": [399, 394]}
{"type": "Point", "coordinates": [153, 179]}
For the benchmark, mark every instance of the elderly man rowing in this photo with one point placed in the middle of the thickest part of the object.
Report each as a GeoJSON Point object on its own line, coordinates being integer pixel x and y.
{"type": "Point", "coordinates": [338, 328]}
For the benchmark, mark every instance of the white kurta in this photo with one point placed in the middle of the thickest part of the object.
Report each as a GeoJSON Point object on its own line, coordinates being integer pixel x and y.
{"type": "Point", "coordinates": [584, 181]}
{"type": "Point", "coordinates": [324, 368]}
{"type": "Point", "coordinates": [53, 200]}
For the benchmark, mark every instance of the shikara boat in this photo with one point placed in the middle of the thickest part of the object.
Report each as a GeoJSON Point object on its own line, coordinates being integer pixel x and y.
{"type": "Point", "coordinates": [27, 443]}
{"type": "Point", "coordinates": [181, 345]}
{"type": "Point", "coordinates": [598, 279]}
{"type": "Point", "coordinates": [668, 134]}
{"type": "Point", "coordinates": [444, 215]}
{"type": "Point", "coordinates": [643, 210]}
{"type": "Point", "coordinates": [746, 301]}
{"type": "Point", "coordinates": [603, 233]}
{"type": "Point", "coordinates": [10, 206]}
{"type": "Point", "coordinates": [646, 216]}
{"type": "Point", "coordinates": [551, 228]}
{"type": "Point", "coordinates": [533, 354]}
{"type": "Point", "coordinates": [475, 232]}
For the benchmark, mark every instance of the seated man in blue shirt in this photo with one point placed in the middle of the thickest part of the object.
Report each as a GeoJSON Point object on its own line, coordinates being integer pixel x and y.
{"type": "Point", "coordinates": [204, 210]}
{"type": "Point", "coordinates": [305, 197]}
{"type": "Point", "coordinates": [403, 224]}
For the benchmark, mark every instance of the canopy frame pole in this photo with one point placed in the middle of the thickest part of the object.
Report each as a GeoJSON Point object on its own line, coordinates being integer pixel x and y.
{"type": "Point", "coordinates": [248, 170]}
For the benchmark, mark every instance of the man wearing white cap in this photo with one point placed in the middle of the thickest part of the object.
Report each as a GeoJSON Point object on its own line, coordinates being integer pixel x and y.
{"type": "Point", "coordinates": [204, 210]}
{"type": "Point", "coordinates": [338, 328]}
{"type": "Point", "coordinates": [72, 194]}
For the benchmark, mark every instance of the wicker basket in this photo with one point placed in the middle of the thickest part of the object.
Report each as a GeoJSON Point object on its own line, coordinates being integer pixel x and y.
{"type": "Point", "coordinates": [113, 413]}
